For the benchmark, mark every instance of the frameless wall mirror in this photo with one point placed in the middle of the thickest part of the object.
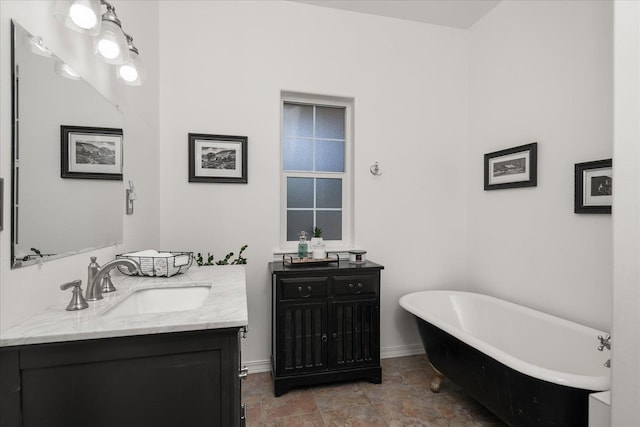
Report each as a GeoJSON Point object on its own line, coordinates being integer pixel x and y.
{"type": "Point", "coordinates": [54, 216]}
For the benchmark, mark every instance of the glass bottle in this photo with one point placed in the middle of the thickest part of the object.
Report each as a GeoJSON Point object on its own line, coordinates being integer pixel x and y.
{"type": "Point", "coordinates": [303, 246]}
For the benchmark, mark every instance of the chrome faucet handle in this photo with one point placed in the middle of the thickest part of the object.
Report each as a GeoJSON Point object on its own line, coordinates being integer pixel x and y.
{"type": "Point", "coordinates": [107, 284]}
{"type": "Point", "coordinates": [77, 300]}
{"type": "Point", "coordinates": [605, 342]}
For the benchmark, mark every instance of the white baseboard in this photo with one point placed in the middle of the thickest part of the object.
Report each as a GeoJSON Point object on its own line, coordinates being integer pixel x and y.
{"type": "Point", "coordinates": [401, 351]}
{"type": "Point", "coordinates": [257, 366]}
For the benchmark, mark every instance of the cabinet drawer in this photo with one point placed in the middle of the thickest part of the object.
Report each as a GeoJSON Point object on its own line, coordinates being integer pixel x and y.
{"type": "Point", "coordinates": [307, 288]}
{"type": "Point", "coordinates": [355, 285]}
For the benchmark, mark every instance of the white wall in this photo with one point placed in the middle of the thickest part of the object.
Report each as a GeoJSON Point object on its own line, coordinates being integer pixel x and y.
{"type": "Point", "coordinates": [541, 72]}
{"type": "Point", "coordinates": [25, 291]}
{"type": "Point", "coordinates": [625, 393]}
{"type": "Point", "coordinates": [428, 102]}
{"type": "Point", "coordinates": [223, 67]}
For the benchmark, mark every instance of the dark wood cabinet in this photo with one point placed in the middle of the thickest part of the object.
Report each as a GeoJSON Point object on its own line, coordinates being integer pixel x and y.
{"type": "Point", "coordinates": [169, 379]}
{"type": "Point", "coordinates": [325, 324]}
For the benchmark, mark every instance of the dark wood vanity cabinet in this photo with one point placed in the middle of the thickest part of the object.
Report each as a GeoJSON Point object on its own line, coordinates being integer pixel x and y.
{"type": "Point", "coordinates": [169, 379]}
{"type": "Point", "coordinates": [325, 324]}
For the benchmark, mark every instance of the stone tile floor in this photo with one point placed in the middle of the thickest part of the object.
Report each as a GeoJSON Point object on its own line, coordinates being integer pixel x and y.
{"type": "Point", "coordinates": [403, 399]}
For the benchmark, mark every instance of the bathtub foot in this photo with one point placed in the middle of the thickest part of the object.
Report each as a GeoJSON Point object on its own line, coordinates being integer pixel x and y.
{"type": "Point", "coordinates": [437, 379]}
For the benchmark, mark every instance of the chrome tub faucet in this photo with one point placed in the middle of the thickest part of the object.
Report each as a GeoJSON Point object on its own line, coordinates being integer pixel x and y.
{"type": "Point", "coordinates": [605, 342]}
{"type": "Point", "coordinates": [96, 273]}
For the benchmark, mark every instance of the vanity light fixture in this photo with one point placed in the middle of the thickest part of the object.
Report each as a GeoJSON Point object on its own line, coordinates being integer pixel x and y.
{"type": "Point", "coordinates": [131, 73]}
{"type": "Point", "coordinates": [111, 43]}
{"type": "Point", "coordinates": [65, 71]}
{"type": "Point", "coordinates": [80, 15]}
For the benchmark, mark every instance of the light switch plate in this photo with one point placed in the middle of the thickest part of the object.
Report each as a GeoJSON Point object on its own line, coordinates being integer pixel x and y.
{"type": "Point", "coordinates": [130, 198]}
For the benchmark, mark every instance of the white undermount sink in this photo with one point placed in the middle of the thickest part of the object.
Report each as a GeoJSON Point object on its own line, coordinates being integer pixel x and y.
{"type": "Point", "coordinates": [161, 300]}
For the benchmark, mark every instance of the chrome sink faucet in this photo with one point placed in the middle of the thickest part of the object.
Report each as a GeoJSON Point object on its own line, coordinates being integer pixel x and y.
{"type": "Point", "coordinates": [96, 273]}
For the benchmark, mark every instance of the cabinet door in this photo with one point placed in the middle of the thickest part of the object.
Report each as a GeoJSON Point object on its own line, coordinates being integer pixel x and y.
{"type": "Point", "coordinates": [355, 333]}
{"type": "Point", "coordinates": [184, 379]}
{"type": "Point", "coordinates": [302, 334]}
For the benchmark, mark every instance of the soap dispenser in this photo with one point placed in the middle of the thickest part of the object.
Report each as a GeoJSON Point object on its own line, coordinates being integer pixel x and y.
{"type": "Point", "coordinates": [303, 246]}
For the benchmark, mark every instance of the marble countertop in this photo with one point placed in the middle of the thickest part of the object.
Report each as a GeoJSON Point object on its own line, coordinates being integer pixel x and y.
{"type": "Point", "coordinates": [224, 307]}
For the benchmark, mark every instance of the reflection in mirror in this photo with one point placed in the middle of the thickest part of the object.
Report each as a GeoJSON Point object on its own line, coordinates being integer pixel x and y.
{"type": "Point", "coordinates": [53, 216]}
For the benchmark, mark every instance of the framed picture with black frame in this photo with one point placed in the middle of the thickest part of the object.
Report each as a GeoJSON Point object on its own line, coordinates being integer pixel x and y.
{"type": "Point", "coordinates": [217, 158]}
{"type": "Point", "coordinates": [511, 168]}
{"type": "Point", "coordinates": [90, 152]}
{"type": "Point", "coordinates": [593, 187]}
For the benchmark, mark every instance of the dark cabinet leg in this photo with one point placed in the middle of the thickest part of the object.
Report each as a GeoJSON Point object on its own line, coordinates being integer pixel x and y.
{"type": "Point", "coordinates": [375, 380]}
{"type": "Point", "coordinates": [280, 387]}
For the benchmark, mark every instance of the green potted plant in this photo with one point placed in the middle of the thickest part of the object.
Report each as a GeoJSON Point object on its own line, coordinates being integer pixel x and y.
{"type": "Point", "coordinates": [317, 244]}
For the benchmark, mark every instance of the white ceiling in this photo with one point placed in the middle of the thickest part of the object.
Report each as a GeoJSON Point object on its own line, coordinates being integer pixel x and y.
{"type": "Point", "coordinates": [450, 13]}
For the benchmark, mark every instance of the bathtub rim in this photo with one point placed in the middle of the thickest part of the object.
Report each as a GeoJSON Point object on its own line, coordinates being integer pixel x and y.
{"type": "Point", "coordinates": [586, 382]}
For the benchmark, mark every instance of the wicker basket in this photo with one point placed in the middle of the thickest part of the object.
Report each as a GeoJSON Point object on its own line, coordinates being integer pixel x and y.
{"type": "Point", "coordinates": [178, 262]}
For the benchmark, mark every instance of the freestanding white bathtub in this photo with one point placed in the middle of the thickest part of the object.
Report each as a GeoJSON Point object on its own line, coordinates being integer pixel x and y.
{"type": "Point", "coordinates": [528, 367]}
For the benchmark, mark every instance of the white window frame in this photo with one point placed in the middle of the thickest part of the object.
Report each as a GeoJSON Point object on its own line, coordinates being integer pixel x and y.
{"type": "Point", "coordinates": [347, 176]}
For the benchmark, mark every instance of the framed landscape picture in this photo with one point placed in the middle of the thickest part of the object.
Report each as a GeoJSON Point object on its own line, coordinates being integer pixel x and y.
{"type": "Point", "coordinates": [511, 168]}
{"type": "Point", "coordinates": [593, 187]}
{"type": "Point", "coordinates": [217, 158]}
{"type": "Point", "coordinates": [91, 152]}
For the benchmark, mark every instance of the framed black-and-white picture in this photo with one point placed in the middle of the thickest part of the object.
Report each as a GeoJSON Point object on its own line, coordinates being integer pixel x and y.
{"type": "Point", "coordinates": [91, 152]}
{"type": "Point", "coordinates": [511, 168]}
{"type": "Point", "coordinates": [593, 187]}
{"type": "Point", "coordinates": [217, 158]}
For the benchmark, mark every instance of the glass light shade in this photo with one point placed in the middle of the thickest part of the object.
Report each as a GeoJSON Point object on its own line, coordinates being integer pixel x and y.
{"type": "Point", "coordinates": [83, 16]}
{"type": "Point", "coordinates": [65, 71]}
{"type": "Point", "coordinates": [132, 73]}
{"type": "Point", "coordinates": [35, 45]}
{"type": "Point", "coordinates": [111, 44]}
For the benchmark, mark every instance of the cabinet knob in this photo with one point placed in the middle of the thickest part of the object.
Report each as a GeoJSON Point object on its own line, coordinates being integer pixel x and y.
{"type": "Point", "coordinates": [307, 295]}
{"type": "Point", "coordinates": [324, 338]}
{"type": "Point", "coordinates": [356, 289]}
{"type": "Point", "coordinates": [334, 336]}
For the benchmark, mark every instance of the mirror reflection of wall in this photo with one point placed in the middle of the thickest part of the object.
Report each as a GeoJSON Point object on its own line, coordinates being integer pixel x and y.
{"type": "Point", "coordinates": [52, 215]}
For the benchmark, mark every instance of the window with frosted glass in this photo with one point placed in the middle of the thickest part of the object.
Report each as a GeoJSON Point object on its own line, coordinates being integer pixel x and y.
{"type": "Point", "coordinates": [313, 149]}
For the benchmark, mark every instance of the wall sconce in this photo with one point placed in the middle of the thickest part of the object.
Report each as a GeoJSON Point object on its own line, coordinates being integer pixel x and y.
{"type": "Point", "coordinates": [111, 44]}
{"type": "Point", "coordinates": [375, 169]}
